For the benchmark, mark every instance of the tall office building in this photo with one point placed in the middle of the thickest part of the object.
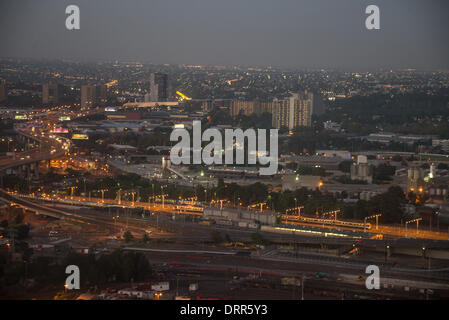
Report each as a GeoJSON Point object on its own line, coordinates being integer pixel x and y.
{"type": "Point", "coordinates": [3, 93]}
{"type": "Point", "coordinates": [318, 104]}
{"type": "Point", "coordinates": [207, 105]}
{"type": "Point", "coordinates": [245, 107]}
{"type": "Point", "coordinates": [50, 93]}
{"type": "Point", "coordinates": [87, 96]}
{"type": "Point", "coordinates": [249, 107]}
{"type": "Point", "coordinates": [295, 111]}
{"type": "Point", "coordinates": [280, 114]}
{"type": "Point", "coordinates": [266, 107]}
{"type": "Point", "coordinates": [93, 95]}
{"type": "Point", "coordinates": [159, 87]}
{"type": "Point", "coordinates": [101, 92]}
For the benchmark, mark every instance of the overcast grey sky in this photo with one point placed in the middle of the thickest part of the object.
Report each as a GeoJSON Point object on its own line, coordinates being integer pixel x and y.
{"type": "Point", "coordinates": [288, 33]}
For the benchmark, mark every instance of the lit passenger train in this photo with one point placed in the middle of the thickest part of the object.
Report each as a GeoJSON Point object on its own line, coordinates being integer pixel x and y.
{"type": "Point", "coordinates": [181, 208]}
{"type": "Point", "coordinates": [339, 223]}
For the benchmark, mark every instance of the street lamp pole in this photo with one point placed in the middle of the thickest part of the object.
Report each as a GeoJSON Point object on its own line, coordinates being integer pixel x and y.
{"type": "Point", "coordinates": [162, 196]}
{"type": "Point", "coordinates": [417, 225]}
{"type": "Point", "coordinates": [302, 287]}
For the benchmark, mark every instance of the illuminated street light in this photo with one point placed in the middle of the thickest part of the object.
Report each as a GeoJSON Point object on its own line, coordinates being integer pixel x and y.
{"type": "Point", "coordinates": [411, 221]}
{"type": "Point", "coordinates": [372, 217]}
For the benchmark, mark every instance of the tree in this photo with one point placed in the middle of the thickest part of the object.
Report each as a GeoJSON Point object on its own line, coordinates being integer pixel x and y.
{"type": "Point", "coordinates": [383, 172]}
{"type": "Point", "coordinates": [389, 204]}
{"type": "Point", "coordinates": [278, 219]}
{"type": "Point", "coordinates": [137, 265]}
{"type": "Point", "coordinates": [292, 165]}
{"type": "Point", "coordinates": [345, 166]}
{"type": "Point", "coordinates": [145, 238]}
{"type": "Point", "coordinates": [19, 218]}
{"type": "Point", "coordinates": [257, 238]}
{"type": "Point", "coordinates": [127, 236]}
{"type": "Point", "coordinates": [22, 231]}
{"type": "Point", "coordinates": [411, 196]}
{"type": "Point", "coordinates": [216, 237]}
{"type": "Point", "coordinates": [4, 224]}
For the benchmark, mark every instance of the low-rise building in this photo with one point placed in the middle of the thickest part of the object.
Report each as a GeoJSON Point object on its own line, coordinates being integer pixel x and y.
{"type": "Point", "coordinates": [234, 216]}
{"type": "Point", "coordinates": [362, 170]}
{"type": "Point", "coordinates": [296, 181]}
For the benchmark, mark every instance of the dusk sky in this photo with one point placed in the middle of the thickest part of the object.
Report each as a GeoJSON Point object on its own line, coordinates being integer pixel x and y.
{"type": "Point", "coordinates": [285, 33]}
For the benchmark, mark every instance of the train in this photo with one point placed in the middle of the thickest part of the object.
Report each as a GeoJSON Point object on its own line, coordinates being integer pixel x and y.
{"type": "Point", "coordinates": [187, 208]}
{"type": "Point", "coordinates": [328, 222]}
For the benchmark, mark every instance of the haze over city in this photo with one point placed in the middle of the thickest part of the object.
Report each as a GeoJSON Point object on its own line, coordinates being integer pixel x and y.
{"type": "Point", "coordinates": [287, 33]}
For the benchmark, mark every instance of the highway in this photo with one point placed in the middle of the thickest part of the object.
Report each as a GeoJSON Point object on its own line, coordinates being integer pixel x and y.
{"type": "Point", "coordinates": [49, 149]}
{"type": "Point", "coordinates": [50, 146]}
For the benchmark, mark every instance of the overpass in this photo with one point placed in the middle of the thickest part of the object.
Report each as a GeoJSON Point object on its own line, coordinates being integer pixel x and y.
{"type": "Point", "coordinates": [27, 162]}
{"type": "Point", "coordinates": [32, 206]}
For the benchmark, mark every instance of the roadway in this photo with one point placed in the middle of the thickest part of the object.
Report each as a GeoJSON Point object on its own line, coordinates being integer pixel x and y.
{"type": "Point", "coordinates": [49, 149]}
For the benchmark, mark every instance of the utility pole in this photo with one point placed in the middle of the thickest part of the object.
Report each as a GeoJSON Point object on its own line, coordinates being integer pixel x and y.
{"type": "Point", "coordinates": [302, 287]}
{"type": "Point", "coordinates": [12, 233]}
{"type": "Point", "coordinates": [371, 217]}
{"type": "Point", "coordinates": [162, 196]}
{"type": "Point", "coordinates": [438, 221]}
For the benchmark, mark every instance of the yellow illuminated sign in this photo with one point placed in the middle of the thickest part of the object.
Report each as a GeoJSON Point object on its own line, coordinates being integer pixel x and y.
{"type": "Point", "coordinates": [78, 136]}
